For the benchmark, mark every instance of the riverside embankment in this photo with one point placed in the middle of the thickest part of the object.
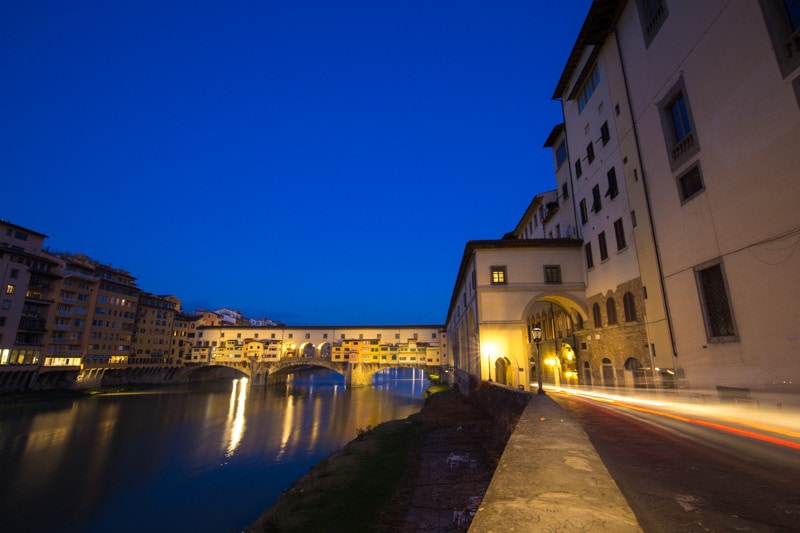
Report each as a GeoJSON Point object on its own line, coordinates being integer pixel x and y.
{"type": "Point", "coordinates": [527, 467]}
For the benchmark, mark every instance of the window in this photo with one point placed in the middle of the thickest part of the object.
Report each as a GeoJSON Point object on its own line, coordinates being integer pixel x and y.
{"type": "Point", "coordinates": [715, 302]}
{"type": "Point", "coordinates": [598, 321]}
{"type": "Point", "coordinates": [677, 123]}
{"type": "Point", "coordinates": [605, 134]}
{"type": "Point", "coordinates": [588, 89]}
{"type": "Point", "coordinates": [578, 168]}
{"type": "Point", "coordinates": [619, 233]}
{"type": "Point", "coordinates": [561, 154]}
{"type": "Point", "coordinates": [611, 311]}
{"type": "Point", "coordinates": [603, 248]}
{"type": "Point", "coordinates": [652, 14]}
{"type": "Point", "coordinates": [584, 213]}
{"type": "Point", "coordinates": [552, 274]}
{"type": "Point", "coordinates": [629, 305]}
{"type": "Point", "coordinates": [690, 184]}
{"type": "Point", "coordinates": [587, 249]}
{"type": "Point", "coordinates": [613, 190]}
{"type": "Point", "coordinates": [782, 18]}
{"type": "Point", "coordinates": [564, 191]}
{"type": "Point", "coordinates": [14, 273]}
{"type": "Point", "coordinates": [10, 289]}
{"type": "Point", "coordinates": [498, 275]}
{"type": "Point", "coordinates": [590, 152]}
{"type": "Point", "coordinates": [6, 305]}
{"type": "Point", "coordinates": [597, 204]}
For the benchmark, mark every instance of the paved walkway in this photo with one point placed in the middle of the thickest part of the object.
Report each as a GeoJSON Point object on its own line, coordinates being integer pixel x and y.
{"type": "Point", "coordinates": [550, 478]}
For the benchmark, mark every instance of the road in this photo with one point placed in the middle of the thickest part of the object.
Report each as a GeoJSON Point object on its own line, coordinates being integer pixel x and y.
{"type": "Point", "coordinates": [688, 468]}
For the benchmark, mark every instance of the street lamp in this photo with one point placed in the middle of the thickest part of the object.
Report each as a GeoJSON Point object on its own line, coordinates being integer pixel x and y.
{"type": "Point", "coordinates": [537, 338]}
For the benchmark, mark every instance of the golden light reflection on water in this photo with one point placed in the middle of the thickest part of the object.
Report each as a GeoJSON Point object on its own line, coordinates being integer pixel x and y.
{"type": "Point", "coordinates": [235, 425]}
{"type": "Point", "coordinates": [286, 428]}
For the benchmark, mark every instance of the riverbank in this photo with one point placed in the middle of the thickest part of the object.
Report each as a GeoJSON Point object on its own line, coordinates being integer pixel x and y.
{"type": "Point", "coordinates": [423, 473]}
{"type": "Point", "coordinates": [33, 396]}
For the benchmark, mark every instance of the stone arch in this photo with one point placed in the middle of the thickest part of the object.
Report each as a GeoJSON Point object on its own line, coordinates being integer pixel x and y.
{"type": "Point", "coordinates": [289, 350]}
{"type": "Point", "coordinates": [325, 350]}
{"type": "Point", "coordinates": [569, 303]}
{"type": "Point", "coordinates": [307, 349]}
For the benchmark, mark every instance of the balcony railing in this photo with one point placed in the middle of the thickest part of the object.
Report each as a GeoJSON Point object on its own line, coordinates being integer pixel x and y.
{"type": "Point", "coordinates": [683, 147]}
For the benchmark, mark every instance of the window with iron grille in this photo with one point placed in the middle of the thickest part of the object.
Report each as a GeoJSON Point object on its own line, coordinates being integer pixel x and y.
{"type": "Point", "coordinates": [552, 274]}
{"type": "Point", "coordinates": [715, 302]}
{"type": "Point", "coordinates": [690, 183]}
{"type": "Point", "coordinates": [598, 320]}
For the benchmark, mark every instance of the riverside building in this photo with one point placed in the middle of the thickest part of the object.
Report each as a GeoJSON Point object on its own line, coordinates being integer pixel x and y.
{"type": "Point", "coordinates": [677, 161]}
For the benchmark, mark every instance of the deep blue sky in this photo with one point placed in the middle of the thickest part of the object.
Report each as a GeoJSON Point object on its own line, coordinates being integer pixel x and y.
{"type": "Point", "coordinates": [316, 162]}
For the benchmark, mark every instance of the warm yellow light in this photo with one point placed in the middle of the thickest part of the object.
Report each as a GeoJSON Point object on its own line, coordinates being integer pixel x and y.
{"type": "Point", "coordinates": [489, 349]}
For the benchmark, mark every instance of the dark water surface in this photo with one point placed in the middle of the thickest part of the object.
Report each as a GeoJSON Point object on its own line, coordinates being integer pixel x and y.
{"type": "Point", "coordinates": [199, 458]}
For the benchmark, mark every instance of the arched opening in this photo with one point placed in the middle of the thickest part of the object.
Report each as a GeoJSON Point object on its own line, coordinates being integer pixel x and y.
{"type": "Point", "coordinates": [501, 370]}
{"type": "Point", "coordinates": [308, 350]}
{"type": "Point", "coordinates": [608, 373]}
{"type": "Point", "coordinates": [290, 350]}
{"type": "Point", "coordinates": [325, 350]}
{"type": "Point", "coordinates": [634, 373]}
{"type": "Point", "coordinates": [587, 374]}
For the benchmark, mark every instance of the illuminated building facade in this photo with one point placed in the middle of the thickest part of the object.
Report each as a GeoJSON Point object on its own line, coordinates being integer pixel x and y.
{"type": "Point", "coordinates": [677, 162]}
{"type": "Point", "coordinates": [29, 279]}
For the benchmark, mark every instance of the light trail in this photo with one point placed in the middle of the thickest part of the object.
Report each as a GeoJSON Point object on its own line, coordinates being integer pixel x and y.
{"type": "Point", "coordinates": [627, 402]}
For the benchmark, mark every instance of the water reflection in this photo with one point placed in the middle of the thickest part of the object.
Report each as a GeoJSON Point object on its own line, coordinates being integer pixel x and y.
{"type": "Point", "coordinates": [236, 424]}
{"type": "Point", "coordinates": [206, 457]}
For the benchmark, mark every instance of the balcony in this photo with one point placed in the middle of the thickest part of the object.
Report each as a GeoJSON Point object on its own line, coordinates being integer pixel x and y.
{"type": "Point", "coordinates": [683, 148]}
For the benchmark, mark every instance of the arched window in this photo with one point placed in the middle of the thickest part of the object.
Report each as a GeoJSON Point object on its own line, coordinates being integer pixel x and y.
{"type": "Point", "coordinates": [579, 321]}
{"type": "Point", "coordinates": [611, 311]}
{"type": "Point", "coordinates": [598, 321]}
{"type": "Point", "coordinates": [630, 307]}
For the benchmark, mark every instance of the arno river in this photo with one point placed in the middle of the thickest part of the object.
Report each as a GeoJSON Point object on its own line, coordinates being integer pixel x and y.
{"type": "Point", "coordinates": [199, 458]}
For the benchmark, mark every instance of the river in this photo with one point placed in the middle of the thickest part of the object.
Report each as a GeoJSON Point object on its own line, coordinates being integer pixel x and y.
{"type": "Point", "coordinates": [206, 457]}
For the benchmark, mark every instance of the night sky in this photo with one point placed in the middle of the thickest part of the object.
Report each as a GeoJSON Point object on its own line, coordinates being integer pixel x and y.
{"type": "Point", "coordinates": [314, 162]}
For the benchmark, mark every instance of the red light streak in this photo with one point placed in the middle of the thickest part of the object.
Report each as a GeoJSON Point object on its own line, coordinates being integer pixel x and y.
{"type": "Point", "coordinates": [721, 427]}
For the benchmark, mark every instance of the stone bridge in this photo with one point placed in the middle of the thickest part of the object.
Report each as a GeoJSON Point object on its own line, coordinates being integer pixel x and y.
{"type": "Point", "coordinates": [272, 372]}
